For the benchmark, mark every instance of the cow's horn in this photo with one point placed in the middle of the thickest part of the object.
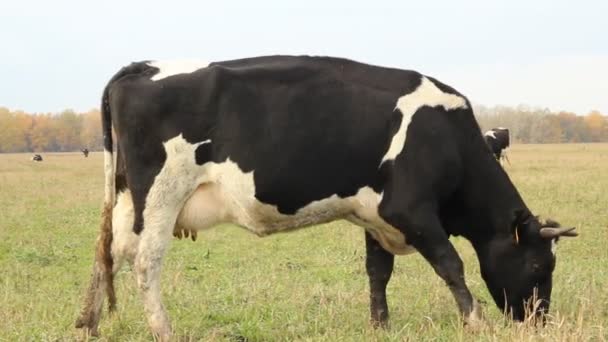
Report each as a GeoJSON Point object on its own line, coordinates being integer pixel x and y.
{"type": "Point", "coordinates": [551, 233]}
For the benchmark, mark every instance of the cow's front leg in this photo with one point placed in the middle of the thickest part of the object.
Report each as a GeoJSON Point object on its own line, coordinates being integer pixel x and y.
{"type": "Point", "coordinates": [423, 230]}
{"type": "Point", "coordinates": [379, 265]}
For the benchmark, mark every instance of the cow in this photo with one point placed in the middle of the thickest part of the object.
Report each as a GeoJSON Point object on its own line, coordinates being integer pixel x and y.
{"type": "Point", "coordinates": [277, 143]}
{"type": "Point", "coordinates": [497, 140]}
{"type": "Point", "coordinates": [85, 151]}
{"type": "Point", "coordinates": [37, 158]}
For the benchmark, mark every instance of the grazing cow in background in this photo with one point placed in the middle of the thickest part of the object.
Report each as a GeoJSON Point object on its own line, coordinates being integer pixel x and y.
{"type": "Point", "coordinates": [497, 140]}
{"type": "Point", "coordinates": [37, 158]}
{"type": "Point", "coordinates": [268, 144]}
{"type": "Point", "coordinates": [85, 151]}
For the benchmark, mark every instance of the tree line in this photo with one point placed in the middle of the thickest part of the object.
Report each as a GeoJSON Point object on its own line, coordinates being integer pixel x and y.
{"type": "Point", "coordinates": [49, 132]}
{"type": "Point", "coordinates": [70, 131]}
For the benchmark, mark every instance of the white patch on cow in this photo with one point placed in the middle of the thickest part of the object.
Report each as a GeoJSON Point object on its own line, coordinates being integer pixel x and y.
{"type": "Point", "coordinates": [365, 205]}
{"type": "Point", "coordinates": [490, 133]}
{"type": "Point", "coordinates": [177, 180]}
{"type": "Point", "coordinates": [175, 67]}
{"type": "Point", "coordinates": [108, 170]}
{"type": "Point", "coordinates": [124, 240]}
{"type": "Point", "coordinates": [427, 94]}
{"type": "Point", "coordinates": [223, 193]}
{"type": "Point", "coordinates": [553, 246]}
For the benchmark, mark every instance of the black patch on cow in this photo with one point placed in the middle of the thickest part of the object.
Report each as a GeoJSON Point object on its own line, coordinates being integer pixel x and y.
{"type": "Point", "coordinates": [203, 153]}
{"type": "Point", "coordinates": [120, 182]}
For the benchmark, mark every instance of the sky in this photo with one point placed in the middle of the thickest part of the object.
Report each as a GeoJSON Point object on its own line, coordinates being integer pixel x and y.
{"type": "Point", "coordinates": [543, 53]}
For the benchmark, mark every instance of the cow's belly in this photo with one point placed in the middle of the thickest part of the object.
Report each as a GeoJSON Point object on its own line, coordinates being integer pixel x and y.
{"type": "Point", "coordinates": [229, 197]}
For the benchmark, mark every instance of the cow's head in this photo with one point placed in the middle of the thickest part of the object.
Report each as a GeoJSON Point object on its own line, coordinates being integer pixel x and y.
{"type": "Point", "coordinates": [518, 267]}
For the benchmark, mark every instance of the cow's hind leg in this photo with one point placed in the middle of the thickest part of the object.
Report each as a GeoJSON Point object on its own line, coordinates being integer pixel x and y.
{"type": "Point", "coordinates": [123, 246]}
{"type": "Point", "coordinates": [155, 238]}
{"type": "Point", "coordinates": [159, 222]}
{"type": "Point", "coordinates": [171, 187]}
{"type": "Point", "coordinates": [379, 265]}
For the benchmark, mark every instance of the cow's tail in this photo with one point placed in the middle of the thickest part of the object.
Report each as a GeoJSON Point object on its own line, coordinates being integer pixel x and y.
{"type": "Point", "coordinates": [102, 277]}
{"type": "Point", "coordinates": [104, 244]}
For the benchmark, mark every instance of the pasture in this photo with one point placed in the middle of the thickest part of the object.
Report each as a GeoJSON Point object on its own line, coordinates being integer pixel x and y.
{"type": "Point", "coordinates": [309, 285]}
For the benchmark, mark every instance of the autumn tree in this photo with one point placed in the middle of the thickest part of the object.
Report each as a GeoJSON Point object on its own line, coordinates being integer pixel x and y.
{"type": "Point", "coordinates": [573, 127]}
{"type": "Point", "coordinates": [90, 134]}
{"type": "Point", "coordinates": [43, 136]}
{"type": "Point", "coordinates": [546, 130]}
{"type": "Point", "coordinates": [67, 129]}
{"type": "Point", "coordinates": [597, 125]}
{"type": "Point", "coordinates": [14, 131]}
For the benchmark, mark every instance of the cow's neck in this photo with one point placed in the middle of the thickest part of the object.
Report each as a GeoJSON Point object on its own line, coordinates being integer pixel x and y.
{"type": "Point", "coordinates": [490, 199]}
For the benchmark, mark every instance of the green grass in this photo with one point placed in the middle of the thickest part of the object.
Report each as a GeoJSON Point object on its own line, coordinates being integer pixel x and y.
{"type": "Point", "coordinates": [309, 285]}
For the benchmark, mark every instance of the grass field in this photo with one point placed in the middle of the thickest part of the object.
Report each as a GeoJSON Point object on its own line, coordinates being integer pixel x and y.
{"type": "Point", "coordinates": [309, 285]}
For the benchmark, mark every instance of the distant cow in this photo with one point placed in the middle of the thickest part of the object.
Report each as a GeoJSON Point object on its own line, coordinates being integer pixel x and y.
{"type": "Point", "coordinates": [278, 143]}
{"type": "Point", "coordinates": [37, 158]}
{"type": "Point", "coordinates": [85, 151]}
{"type": "Point", "coordinates": [497, 140]}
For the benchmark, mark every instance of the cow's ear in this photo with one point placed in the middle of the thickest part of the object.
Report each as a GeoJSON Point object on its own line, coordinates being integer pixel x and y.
{"type": "Point", "coordinates": [549, 223]}
{"type": "Point", "coordinates": [517, 225]}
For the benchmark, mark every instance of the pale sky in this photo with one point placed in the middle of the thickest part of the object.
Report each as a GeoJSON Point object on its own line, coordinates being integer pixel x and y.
{"type": "Point", "coordinates": [551, 53]}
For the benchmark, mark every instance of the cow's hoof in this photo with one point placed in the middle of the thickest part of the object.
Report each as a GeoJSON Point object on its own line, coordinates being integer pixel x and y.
{"type": "Point", "coordinates": [162, 336]}
{"type": "Point", "coordinates": [474, 322]}
{"type": "Point", "coordinates": [88, 323]}
{"type": "Point", "coordinates": [379, 323]}
{"type": "Point", "coordinates": [160, 327]}
{"type": "Point", "coordinates": [87, 329]}
{"type": "Point", "coordinates": [378, 316]}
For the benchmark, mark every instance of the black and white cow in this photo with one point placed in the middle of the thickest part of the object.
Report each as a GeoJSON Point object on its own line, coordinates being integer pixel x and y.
{"type": "Point", "coordinates": [37, 158]}
{"type": "Point", "coordinates": [497, 140]}
{"type": "Point", "coordinates": [277, 143]}
{"type": "Point", "coordinates": [85, 151]}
